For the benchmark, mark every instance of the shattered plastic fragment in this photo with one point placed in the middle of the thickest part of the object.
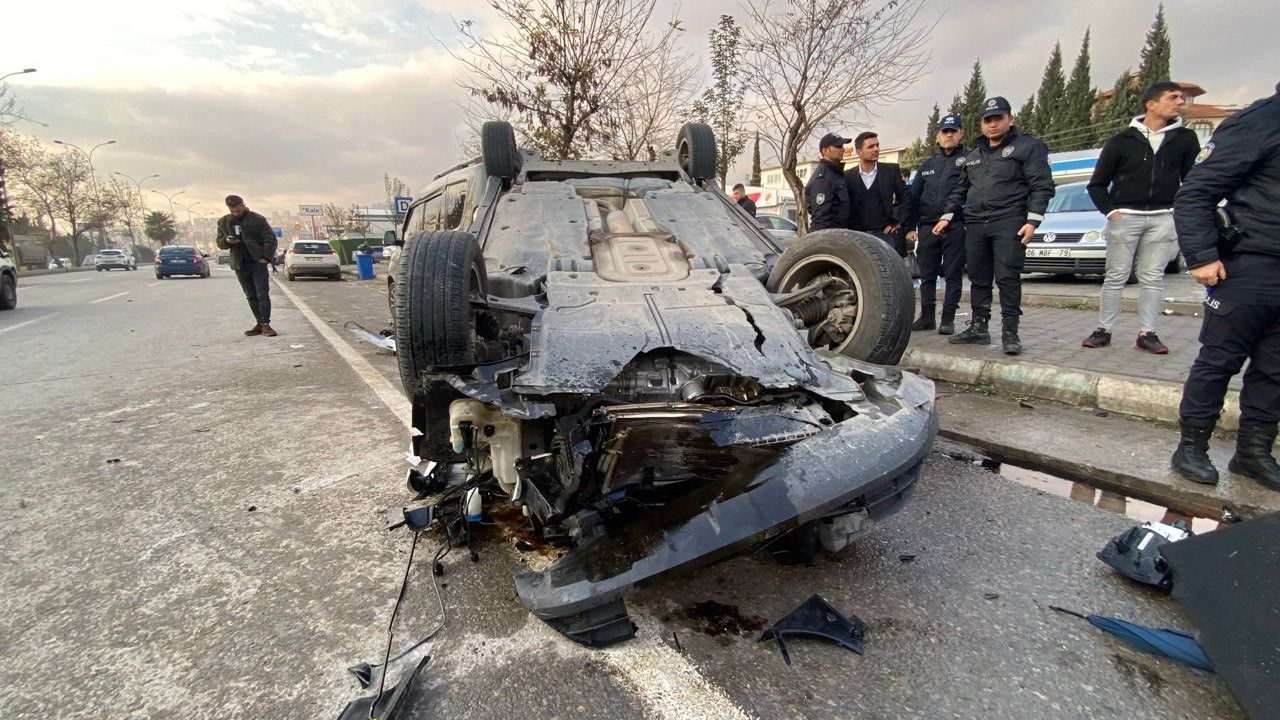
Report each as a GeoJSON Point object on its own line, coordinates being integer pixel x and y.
{"type": "Point", "coordinates": [817, 618]}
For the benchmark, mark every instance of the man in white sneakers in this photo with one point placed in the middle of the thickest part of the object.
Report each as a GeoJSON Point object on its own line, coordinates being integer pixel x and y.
{"type": "Point", "coordinates": [1137, 175]}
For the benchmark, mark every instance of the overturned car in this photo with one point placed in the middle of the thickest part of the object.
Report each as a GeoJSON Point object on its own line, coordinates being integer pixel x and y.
{"type": "Point", "coordinates": [617, 350]}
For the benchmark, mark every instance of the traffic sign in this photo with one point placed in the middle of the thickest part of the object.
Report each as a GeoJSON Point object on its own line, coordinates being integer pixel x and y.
{"type": "Point", "coordinates": [310, 209]}
{"type": "Point", "coordinates": [402, 205]}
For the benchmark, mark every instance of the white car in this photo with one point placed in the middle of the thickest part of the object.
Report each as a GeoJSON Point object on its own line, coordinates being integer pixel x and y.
{"type": "Point", "coordinates": [311, 257]}
{"type": "Point", "coordinates": [8, 282]}
{"type": "Point", "coordinates": [111, 258]}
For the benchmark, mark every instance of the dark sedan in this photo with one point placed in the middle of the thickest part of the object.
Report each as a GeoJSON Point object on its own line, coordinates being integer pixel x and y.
{"type": "Point", "coordinates": [181, 260]}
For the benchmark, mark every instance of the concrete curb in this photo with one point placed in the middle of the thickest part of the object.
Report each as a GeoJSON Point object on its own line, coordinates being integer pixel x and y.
{"type": "Point", "coordinates": [1086, 303]}
{"type": "Point", "coordinates": [1139, 397]}
{"type": "Point", "coordinates": [55, 271]}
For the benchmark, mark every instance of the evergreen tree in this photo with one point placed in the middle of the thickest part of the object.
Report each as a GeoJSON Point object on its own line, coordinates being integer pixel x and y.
{"type": "Point", "coordinates": [1156, 54]}
{"type": "Point", "coordinates": [1048, 106]}
{"type": "Point", "coordinates": [1077, 105]}
{"type": "Point", "coordinates": [1117, 112]}
{"type": "Point", "coordinates": [1025, 118]}
{"type": "Point", "coordinates": [931, 126]}
{"type": "Point", "coordinates": [975, 91]}
{"type": "Point", "coordinates": [755, 163]}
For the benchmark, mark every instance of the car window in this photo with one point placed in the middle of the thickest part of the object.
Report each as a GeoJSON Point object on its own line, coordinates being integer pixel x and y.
{"type": "Point", "coordinates": [430, 213]}
{"type": "Point", "coordinates": [177, 251]}
{"type": "Point", "coordinates": [312, 248]}
{"type": "Point", "coordinates": [455, 203]}
{"type": "Point", "coordinates": [1071, 198]}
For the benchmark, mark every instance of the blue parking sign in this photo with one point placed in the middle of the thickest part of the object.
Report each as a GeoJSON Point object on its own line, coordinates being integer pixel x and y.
{"type": "Point", "coordinates": [402, 205]}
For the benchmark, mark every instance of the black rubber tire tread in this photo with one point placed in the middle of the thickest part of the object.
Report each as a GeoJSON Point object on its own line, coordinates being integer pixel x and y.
{"type": "Point", "coordinates": [498, 149]}
{"type": "Point", "coordinates": [433, 303]}
{"type": "Point", "coordinates": [8, 292]}
{"type": "Point", "coordinates": [696, 148]}
{"type": "Point", "coordinates": [888, 297]}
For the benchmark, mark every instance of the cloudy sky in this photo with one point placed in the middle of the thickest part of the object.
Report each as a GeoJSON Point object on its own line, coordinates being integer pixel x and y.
{"type": "Point", "coordinates": [310, 101]}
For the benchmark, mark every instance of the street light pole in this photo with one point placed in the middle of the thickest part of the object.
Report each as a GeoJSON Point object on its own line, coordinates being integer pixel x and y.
{"type": "Point", "coordinates": [170, 199]}
{"type": "Point", "coordinates": [19, 72]}
{"type": "Point", "coordinates": [142, 203]}
{"type": "Point", "coordinates": [93, 176]}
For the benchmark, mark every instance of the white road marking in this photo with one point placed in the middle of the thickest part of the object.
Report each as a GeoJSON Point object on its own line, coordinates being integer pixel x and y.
{"type": "Point", "coordinates": [158, 282]}
{"type": "Point", "coordinates": [80, 280]}
{"type": "Point", "coordinates": [670, 687]}
{"type": "Point", "coordinates": [390, 396]}
{"type": "Point", "coordinates": [25, 288]}
{"type": "Point", "coordinates": [26, 323]}
{"type": "Point", "coordinates": [109, 297]}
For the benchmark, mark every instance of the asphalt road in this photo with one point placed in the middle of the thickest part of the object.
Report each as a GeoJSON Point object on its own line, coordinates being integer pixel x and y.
{"type": "Point", "coordinates": [193, 525]}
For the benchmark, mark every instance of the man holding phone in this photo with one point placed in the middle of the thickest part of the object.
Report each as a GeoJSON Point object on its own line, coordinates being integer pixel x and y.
{"type": "Point", "coordinates": [252, 243]}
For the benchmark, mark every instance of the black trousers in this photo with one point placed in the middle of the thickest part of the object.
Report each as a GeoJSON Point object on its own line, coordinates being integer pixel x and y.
{"type": "Point", "coordinates": [994, 253]}
{"type": "Point", "coordinates": [255, 279]}
{"type": "Point", "coordinates": [941, 256]}
{"type": "Point", "coordinates": [1232, 332]}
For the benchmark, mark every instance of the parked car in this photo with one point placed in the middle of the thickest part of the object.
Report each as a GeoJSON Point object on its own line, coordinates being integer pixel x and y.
{"type": "Point", "coordinates": [112, 259]}
{"type": "Point", "coordinates": [620, 353]}
{"type": "Point", "coordinates": [181, 260]}
{"type": "Point", "coordinates": [778, 226]}
{"type": "Point", "coordinates": [311, 258]}
{"type": "Point", "coordinates": [224, 257]}
{"type": "Point", "coordinates": [1072, 239]}
{"type": "Point", "coordinates": [8, 282]}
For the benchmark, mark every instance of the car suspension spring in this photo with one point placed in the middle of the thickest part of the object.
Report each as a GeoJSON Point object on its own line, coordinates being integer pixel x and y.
{"type": "Point", "coordinates": [811, 311]}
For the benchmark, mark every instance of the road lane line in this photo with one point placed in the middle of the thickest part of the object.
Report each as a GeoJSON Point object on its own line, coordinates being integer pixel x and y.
{"type": "Point", "coordinates": [26, 323]}
{"type": "Point", "coordinates": [389, 394]}
{"type": "Point", "coordinates": [25, 288]}
{"type": "Point", "coordinates": [158, 282]}
{"type": "Point", "coordinates": [109, 297]}
{"type": "Point", "coordinates": [80, 280]}
{"type": "Point", "coordinates": [670, 686]}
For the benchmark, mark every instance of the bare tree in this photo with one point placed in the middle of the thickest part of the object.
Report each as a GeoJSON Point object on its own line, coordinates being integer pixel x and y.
{"type": "Point", "coordinates": [27, 173]}
{"type": "Point", "coordinates": [72, 194]}
{"type": "Point", "coordinates": [813, 63]}
{"type": "Point", "coordinates": [335, 219]}
{"type": "Point", "coordinates": [394, 187]}
{"type": "Point", "coordinates": [653, 105]}
{"type": "Point", "coordinates": [357, 220]}
{"type": "Point", "coordinates": [560, 66]}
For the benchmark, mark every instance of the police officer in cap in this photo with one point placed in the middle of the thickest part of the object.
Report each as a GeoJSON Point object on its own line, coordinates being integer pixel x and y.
{"type": "Point", "coordinates": [1235, 253]}
{"type": "Point", "coordinates": [938, 254]}
{"type": "Point", "coordinates": [1004, 189]}
{"type": "Point", "coordinates": [826, 195]}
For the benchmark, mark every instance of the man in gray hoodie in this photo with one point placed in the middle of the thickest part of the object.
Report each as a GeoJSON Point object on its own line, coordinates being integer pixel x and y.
{"type": "Point", "coordinates": [1137, 175]}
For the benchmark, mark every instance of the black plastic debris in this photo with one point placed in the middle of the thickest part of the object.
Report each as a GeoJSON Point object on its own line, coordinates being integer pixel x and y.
{"type": "Point", "coordinates": [906, 558]}
{"type": "Point", "coordinates": [113, 461]}
{"type": "Point", "coordinates": [389, 704]}
{"type": "Point", "coordinates": [1136, 553]}
{"type": "Point", "coordinates": [991, 596]}
{"type": "Point", "coordinates": [597, 627]}
{"type": "Point", "coordinates": [817, 618]}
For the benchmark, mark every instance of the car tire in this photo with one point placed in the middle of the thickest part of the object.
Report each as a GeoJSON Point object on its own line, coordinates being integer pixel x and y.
{"type": "Point", "coordinates": [437, 276]}
{"type": "Point", "coordinates": [391, 297]}
{"type": "Point", "coordinates": [288, 276]}
{"type": "Point", "coordinates": [885, 299]}
{"type": "Point", "coordinates": [498, 149]}
{"type": "Point", "coordinates": [696, 150]}
{"type": "Point", "coordinates": [8, 292]}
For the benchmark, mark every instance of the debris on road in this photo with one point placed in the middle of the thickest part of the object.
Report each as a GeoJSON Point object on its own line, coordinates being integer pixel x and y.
{"type": "Point", "coordinates": [380, 341]}
{"type": "Point", "coordinates": [113, 461]}
{"type": "Point", "coordinates": [1226, 583]}
{"type": "Point", "coordinates": [817, 618]}
{"type": "Point", "coordinates": [1137, 552]}
{"type": "Point", "coordinates": [906, 558]}
{"type": "Point", "coordinates": [1162, 642]}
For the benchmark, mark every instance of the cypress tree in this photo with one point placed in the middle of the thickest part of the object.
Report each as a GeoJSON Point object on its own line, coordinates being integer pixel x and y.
{"type": "Point", "coordinates": [931, 125]}
{"type": "Point", "coordinates": [975, 91]}
{"type": "Point", "coordinates": [755, 163]}
{"type": "Point", "coordinates": [1156, 54]}
{"type": "Point", "coordinates": [1025, 118]}
{"type": "Point", "coordinates": [1077, 106]}
{"type": "Point", "coordinates": [1049, 98]}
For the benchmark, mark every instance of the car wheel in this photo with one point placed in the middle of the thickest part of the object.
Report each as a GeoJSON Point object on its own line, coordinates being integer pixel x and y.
{"type": "Point", "coordinates": [391, 296]}
{"type": "Point", "coordinates": [498, 149]}
{"type": "Point", "coordinates": [434, 322]}
{"type": "Point", "coordinates": [8, 292]}
{"type": "Point", "coordinates": [865, 308]}
{"type": "Point", "coordinates": [696, 149]}
{"type": "Point", "coordinates": [337, 276]}
{"type": "Point", "coordinates": [288, 276]}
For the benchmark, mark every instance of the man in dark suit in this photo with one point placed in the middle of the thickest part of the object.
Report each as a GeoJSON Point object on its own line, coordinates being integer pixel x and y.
{"type": "Point", "coordinates": [876, 193]}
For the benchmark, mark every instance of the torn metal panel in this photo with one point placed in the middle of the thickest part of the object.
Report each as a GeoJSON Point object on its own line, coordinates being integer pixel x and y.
{"type": "Point", "coordinates": [592, 329]}
{"type": "Point", "coordinates": [380, 341]}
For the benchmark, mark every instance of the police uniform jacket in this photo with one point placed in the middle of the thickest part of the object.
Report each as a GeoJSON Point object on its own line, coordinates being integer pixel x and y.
{"type": "Point", "coordinates": [1240, 163]}
{"type": "Point", "coordinates": [935, 179]}
{"type": "Point", "coordinates": [827, 197]}
{"type": "Point", "coordinates": [1009, 180]}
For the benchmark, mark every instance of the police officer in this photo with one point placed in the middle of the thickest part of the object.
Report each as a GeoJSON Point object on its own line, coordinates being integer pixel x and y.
{"type": "Point", "coordinates": [826, 196]}
{"type": "Point", "coordinates": [1238, 260]}
{"type": "Point", "coordinates": [938, 254]}
{"type": "Point", "coordinates": [1004, 189]}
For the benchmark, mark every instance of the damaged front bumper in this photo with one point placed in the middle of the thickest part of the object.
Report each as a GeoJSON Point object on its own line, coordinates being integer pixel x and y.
{"type": "Point", "coordinates": [867, 464]}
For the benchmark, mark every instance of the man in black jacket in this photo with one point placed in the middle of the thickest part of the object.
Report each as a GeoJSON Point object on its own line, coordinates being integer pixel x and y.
{"type": "Point", "coordinates": [744, 201]}
{"type": "Point", "coordinates": [935, 179]}
{"type": "Point", "coordinates": [826, 197]}
{"type": "Point", "coordinates": [876, 191]}
{"type": "Point", "coordinates": [1004, 189]}
{"type": "Point", "coordinates": [1133, 184]}
{"type": "Point", "coordinates": [1236, 255]}
{"type": "Point", "coordinates": [253, 244]}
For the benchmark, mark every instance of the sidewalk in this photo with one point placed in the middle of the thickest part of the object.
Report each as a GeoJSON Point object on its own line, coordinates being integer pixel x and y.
{"type": "Point", "coordinates": [1055, 366]}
